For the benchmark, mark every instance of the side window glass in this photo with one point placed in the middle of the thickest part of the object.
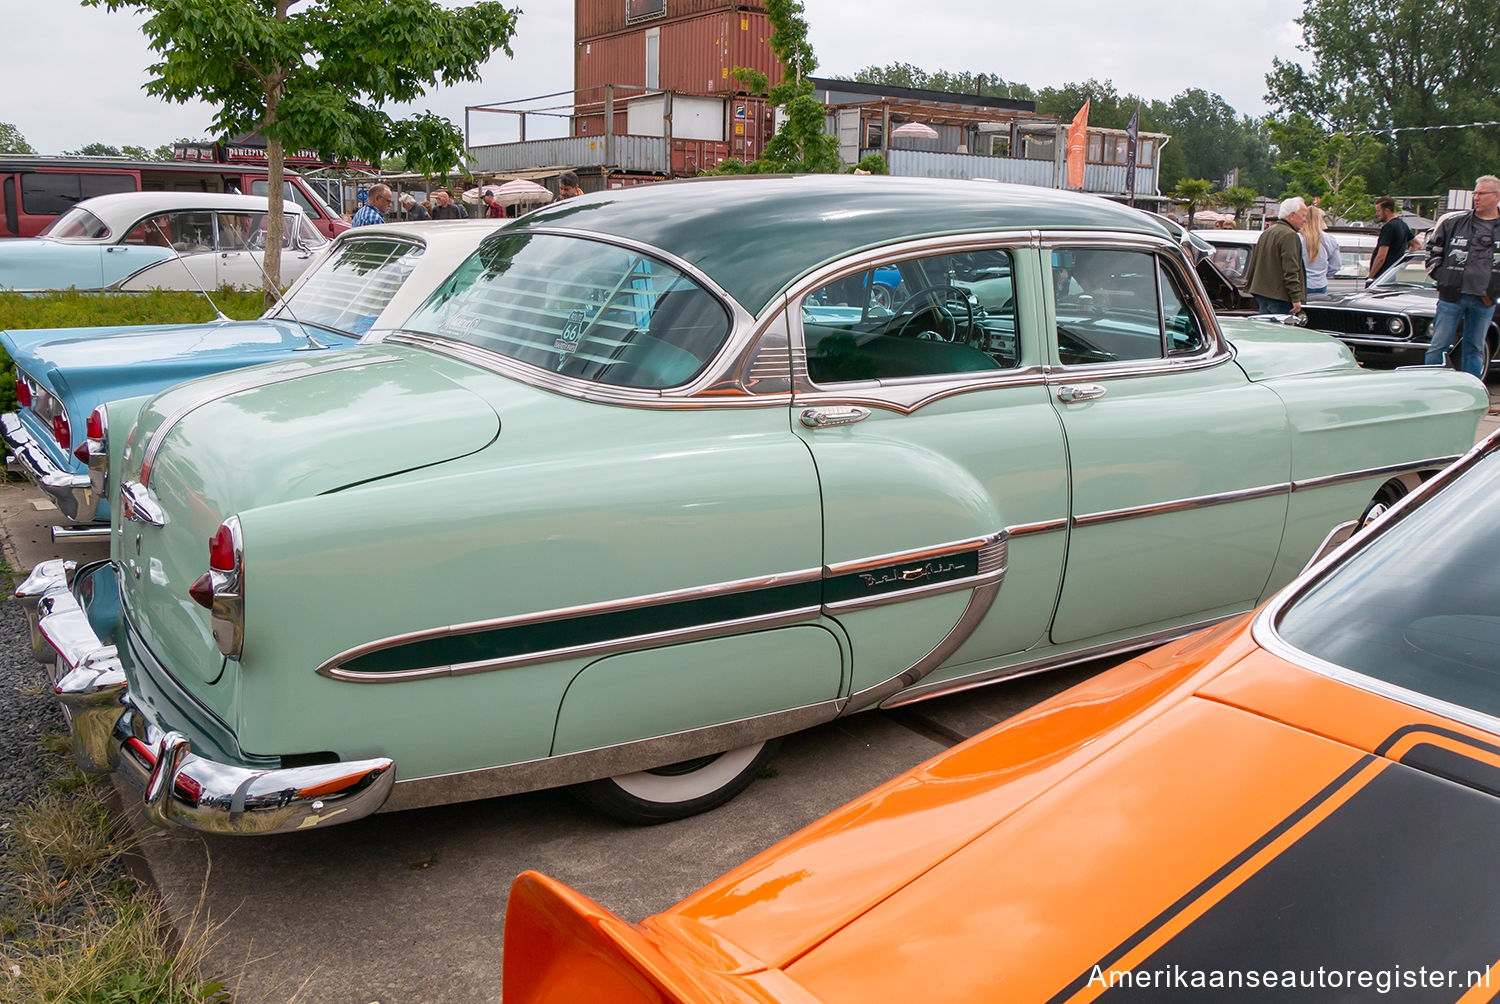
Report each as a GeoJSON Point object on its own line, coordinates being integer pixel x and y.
{"type": "Point", "coordinates": [942, 314]}
{"type": "Point", "coordinates": [153, 231]}
{"type": "Point", "coordinates": [1106, 306]}
{"type": "Point", "coordinates": [191, 231]}
{"type": "Point", "coordinates": [1183, 331]}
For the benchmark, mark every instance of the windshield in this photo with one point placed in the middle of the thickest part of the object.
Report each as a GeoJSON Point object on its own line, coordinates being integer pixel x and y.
{"type": "Point", "coordinates": [76, 224]}
{"type": "Point", "coordinates": [349, 289]}
{"type": "Point", "coordinates": [1408, 273]}
{"type": "Point", "coordinates": [581, 308]}
{"type": "Point", "coordinates": [1419, 607]}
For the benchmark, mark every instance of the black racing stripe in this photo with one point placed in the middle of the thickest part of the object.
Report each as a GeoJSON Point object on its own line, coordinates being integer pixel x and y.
{"type": "Point", "coordinates": [526, 639]}
{"type": "Point", "coordinates": [1455, 767]}
{"type": "Point", "coordinates": [1399, 881]}
{"type": "Point", "coordinates": [1384, 749]}
{"type": "Point", "coordinates": [899, 576]}
{"type": "Point", "coordinates": [1125, 947]}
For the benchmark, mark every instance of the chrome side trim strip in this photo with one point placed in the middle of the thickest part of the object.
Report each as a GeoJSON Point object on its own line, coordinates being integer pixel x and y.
{"type": "Point", "coordinates": [608, 761]}
{"type": "Point", "coordinates": [1030, 529]}
{"type": "Point", "coordinates": [1044, 663]}
{"type": "Point", "coordinates": [1435, 463]}
{"type": "Point", "coordinates": [915, 593]}
{"type": "Point", "coordinates": [980, 602]}
{"type": "Point", "coordinates": [915, 554]}
{"type": "Point", "coordinates": [1182, 505]}
{"type": "Point", "coordinates": [582, 610]}
{"type": "Point", "coordinates": [222, 390]}
{"type": "Point", "coordinates": [655, 639]}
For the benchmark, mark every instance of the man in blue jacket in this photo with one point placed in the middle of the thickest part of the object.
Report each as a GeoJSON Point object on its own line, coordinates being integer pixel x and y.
{"type": "Point", "coordinates": [1461, 260]}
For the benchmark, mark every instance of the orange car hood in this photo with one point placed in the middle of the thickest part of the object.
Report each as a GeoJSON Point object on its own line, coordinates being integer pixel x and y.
{"type": "Point", "coordinates": [1208, 809]}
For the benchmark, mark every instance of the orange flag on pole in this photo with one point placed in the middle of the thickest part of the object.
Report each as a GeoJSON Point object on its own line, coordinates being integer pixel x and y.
{"type": "Point", "coordinates": [1078, 146]}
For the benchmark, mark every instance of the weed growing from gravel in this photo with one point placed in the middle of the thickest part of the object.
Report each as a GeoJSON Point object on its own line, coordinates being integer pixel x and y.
{"type": "Point", "coordinates": [74, 929]}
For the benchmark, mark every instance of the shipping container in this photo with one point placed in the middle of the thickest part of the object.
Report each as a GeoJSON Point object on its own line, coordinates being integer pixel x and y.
{"type": "Point", "coordinates": [597, 18]}
{"type": "Point", "coordinates": [694, 56]}
{"type": "Point", "coordinates": [747, 125]}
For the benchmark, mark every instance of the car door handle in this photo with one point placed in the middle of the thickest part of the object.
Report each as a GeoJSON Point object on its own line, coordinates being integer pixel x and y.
{"type": "Point", "coordinates": [822, 418]}
{"type": "Point", "coordinates": [1069, 393]}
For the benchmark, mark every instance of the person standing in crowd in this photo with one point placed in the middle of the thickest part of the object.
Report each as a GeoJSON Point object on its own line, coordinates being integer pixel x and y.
{"type": "Point", "coordinates": [493, 210]}
{"type": "Point", "coordinates": [377, 204]}
{"type": "Point", "coordinates": [567, 185]}
{"type": "Point", "coordinates": [1461, 260]}
{"type": "Point", "coordinates": [413, 209]}
{"type": "Point", "coordinates": [1320, 252]}
{"type": "Point", "coordinates": [1274, 273]}
{"type": "Point", "coordinates": [1395, 238]}
{"type": "Point", "coordinates": [445, 208]}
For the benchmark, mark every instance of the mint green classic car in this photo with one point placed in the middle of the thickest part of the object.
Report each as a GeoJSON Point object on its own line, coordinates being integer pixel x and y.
{"type": "Point", "coordinates": [659, 475]}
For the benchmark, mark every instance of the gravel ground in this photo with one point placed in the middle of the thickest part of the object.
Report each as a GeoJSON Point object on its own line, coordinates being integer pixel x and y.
{"type": "Point", "coordinates": [29, 771]}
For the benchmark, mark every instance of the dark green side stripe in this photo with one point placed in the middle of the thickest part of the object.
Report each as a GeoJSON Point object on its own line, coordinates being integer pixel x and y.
{"type": "Point", "coordinates": [525, 639]}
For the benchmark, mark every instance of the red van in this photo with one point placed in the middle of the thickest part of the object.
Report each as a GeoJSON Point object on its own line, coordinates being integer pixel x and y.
{"type": "Point", "coordinates": [34, 191]}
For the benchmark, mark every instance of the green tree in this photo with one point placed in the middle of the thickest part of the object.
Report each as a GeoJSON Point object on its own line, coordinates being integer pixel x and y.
{"type": "Point", "coordinates": [429, 145]}
{"type": "Point", "coordinates": [315, 77]}
{"type": "Point", "coordinates": [1237, 199]}
{"type": "Point", "coordinates": [95, 150]}
{"type": "Point", "coordinates": [1330, 167]}
{"type": "Point", "coordinates": [1214, 140]}
{"type": "Point", "coordinates": [163, 152]}
{"type": "Point", "coordinates": [11, 140]}
{"type": "Point", "coordinates": [1196, 192]}
{"type": "Point", "coordinates": [1382, 64]}
{"type": "Point", "coordinates": [990, 85]}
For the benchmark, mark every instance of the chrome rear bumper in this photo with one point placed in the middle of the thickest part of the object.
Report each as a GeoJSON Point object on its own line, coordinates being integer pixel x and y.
{"type": "Point", "coordinates": [110, 733]}
{"type": "Point", "coordinates": [73, 493]}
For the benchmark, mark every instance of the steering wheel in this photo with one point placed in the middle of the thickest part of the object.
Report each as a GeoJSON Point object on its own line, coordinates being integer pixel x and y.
{"type": "Point", "coordinates": [933, 297]}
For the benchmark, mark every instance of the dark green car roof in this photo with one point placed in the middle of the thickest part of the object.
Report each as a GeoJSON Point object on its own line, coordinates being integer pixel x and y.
{"type": "Point", "coordinates": [756, 235]}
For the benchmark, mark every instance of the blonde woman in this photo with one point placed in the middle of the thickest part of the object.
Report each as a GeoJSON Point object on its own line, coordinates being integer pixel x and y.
{"type": "Point", "coordinates": [1320, 252]}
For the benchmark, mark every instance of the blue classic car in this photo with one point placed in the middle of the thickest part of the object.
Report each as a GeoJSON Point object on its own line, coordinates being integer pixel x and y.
{"type": "Point", "coordinates": [653, 479]}
{"type": "Point", "coordinates": [131, 241]}
{"type": "Point", "coordinates": [372, 277]}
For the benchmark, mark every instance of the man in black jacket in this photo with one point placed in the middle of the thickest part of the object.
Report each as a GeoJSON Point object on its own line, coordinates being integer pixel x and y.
{"type": "Point", "coordinates": [1461, 260]}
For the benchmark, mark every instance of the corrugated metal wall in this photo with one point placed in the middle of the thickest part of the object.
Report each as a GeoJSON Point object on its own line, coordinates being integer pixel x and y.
{"type": "Point", "coordinates": [696, 55]}
{"type": "Point", "coordinates": [637, 153]}
{"type": "Point", "coordinates": [1106, 179]}
{"type": "Point", "coordinates": [593, 18]}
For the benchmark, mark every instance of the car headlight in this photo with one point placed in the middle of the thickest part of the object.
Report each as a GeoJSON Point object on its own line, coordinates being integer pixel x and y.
{"type": "Point", "coordinates": [1395, 325]}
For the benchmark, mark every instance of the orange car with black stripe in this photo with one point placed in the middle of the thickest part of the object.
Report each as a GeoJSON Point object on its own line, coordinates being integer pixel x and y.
{"type": "Point", "coordinates": [1298, 805]}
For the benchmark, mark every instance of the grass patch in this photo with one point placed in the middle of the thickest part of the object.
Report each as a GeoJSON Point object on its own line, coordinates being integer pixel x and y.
{"type": "Point", "coordinates": [85, 309]}
{"type": "Point", "coordinates": [74, 928]}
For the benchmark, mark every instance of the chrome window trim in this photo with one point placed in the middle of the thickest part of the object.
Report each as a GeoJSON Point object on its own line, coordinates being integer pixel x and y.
{"type": "Point", "coordinates": [1218, 351]}
{"type": "Point", "coordinates": [239, 386]}
{"type": "Point", "coordinates": [740, 334]}
{"type": "Point", "coordinates": [1264, 630]}
{"type": "Point", "coordinates": [908, 394]}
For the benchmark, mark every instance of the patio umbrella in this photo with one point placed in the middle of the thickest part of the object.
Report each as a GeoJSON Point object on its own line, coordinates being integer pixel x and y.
{"type": "Point", "coordinates": [915, 130]}
{"type": "Point", "coordinates": [522, 191]}
{"type": "Point", "coordinates": [473, 194]}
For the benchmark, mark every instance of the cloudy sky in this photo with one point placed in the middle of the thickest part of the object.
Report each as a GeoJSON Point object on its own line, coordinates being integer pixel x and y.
{"type": "Point", "coordinates": [73, 75]}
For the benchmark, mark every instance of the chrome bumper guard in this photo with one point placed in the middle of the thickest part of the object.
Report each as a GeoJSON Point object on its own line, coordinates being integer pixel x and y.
{"type": "Point", "coordinates": [74, 494]}
{"type": "Point", "coordinates": [110, 733]}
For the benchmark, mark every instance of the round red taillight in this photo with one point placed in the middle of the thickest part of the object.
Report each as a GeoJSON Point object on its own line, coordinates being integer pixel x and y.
{"type": "Point", "coordinates": [62, 432]}
{"type": "Point", "coordinates": [221, 550]}
{"type": "Point", "coordinates": [23, 393]}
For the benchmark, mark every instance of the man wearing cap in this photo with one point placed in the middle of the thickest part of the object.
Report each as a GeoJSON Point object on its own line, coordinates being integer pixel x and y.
{"type": "Point", "coordinates": [413, 209]}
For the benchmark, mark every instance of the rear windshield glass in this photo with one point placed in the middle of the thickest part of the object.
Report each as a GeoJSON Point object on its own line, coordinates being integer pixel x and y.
{"type": "Point", "coordinates": [579, 307]}
{"type": "Point", "coordinates": [350, 288]}
{"type": "Point", "coordinates": [1419, 607]}
{"type": "Point", "coordinates": [77, 224]}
